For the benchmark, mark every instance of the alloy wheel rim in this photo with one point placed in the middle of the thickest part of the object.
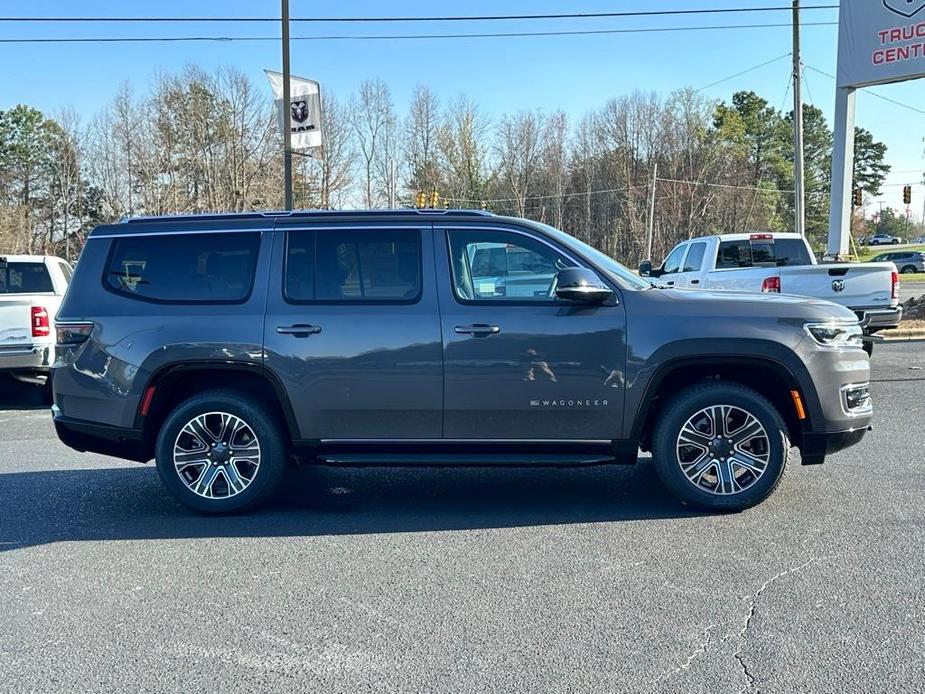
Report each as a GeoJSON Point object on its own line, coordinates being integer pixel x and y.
{"type": "Point", "coordinates": [723, 450]}
{"type": "Point", "coordinates": [216, 455]}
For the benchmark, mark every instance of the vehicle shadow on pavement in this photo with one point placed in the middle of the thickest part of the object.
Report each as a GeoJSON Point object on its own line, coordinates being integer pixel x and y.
{"type": "Point", "coordinates": [130, 503]}
{"type": "Point", "coordinates": [21, 396]}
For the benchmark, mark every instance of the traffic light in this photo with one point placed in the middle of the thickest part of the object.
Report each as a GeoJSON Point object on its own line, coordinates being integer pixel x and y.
{"type": "Point", "coordinates": [421, 201]}
{"type": "Point", "coordinates": [907, 195]}
{"type": "Point", "coordinates": [858, 197]}
{"type": "Point", "coordinates": [434, 199]}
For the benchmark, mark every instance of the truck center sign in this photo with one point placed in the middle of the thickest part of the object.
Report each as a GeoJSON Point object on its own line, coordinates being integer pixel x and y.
{"type": "Point", "coordinates": [880, 41]}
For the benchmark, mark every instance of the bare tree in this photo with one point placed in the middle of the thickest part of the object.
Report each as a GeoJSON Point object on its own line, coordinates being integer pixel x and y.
{"type": "Point", "coordinates": [370, 111]}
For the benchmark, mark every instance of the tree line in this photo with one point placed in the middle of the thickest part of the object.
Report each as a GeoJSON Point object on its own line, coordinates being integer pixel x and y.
{"type": "Point", "coordinates": [199, 141]}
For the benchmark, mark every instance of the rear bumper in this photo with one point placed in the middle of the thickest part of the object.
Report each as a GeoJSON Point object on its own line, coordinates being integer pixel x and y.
{"type": "Point", "coordinates": [26, 359]}
{"type": "Point", "coordinates": [100, 438]}
{"type": "Point", "coordinates": [879, 318]}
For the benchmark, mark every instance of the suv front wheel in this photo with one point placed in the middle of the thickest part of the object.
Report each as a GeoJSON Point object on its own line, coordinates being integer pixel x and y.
{"type": "Point", "coordinates": [721, 446]}
{"type": "Point", "coordinates": [221, 452]}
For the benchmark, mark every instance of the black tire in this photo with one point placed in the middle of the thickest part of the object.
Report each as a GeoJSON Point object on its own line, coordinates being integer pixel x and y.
{"type": "Point", "coordinates": [869, 348]}
{"type": "Point", "coordinates": [692, 401]}
{"type": "Point", "coordinates": [272, 444]}
{"type": "Point", "coordinates": [908, 270]}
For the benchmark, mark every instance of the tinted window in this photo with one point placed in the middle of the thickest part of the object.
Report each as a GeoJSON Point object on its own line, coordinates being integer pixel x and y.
{"type": "Point", "coordinates": [187, 268]}
{"type": "Point", "coordinates": [24, 278]}
{"type": "Point", "coordinates": [694, 260]}
{"type": "Point", "coordinates": [745, 253]}
{"type": "Point", "coordinates": [498, 266]}
{"type": "Point", "coordinates": [354, 265]}
{"type": "Point", "coordinates": [673, 261]}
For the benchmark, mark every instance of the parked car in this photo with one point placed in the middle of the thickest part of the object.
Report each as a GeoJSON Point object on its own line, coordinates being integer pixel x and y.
{"type": "Point", "coordinates": [223, 345]}
{"type": "Point", "coordinates": [884, 240]}
{"type": "Point", "coordinates": [31, 289]}
{"type": "Point", "coordinates": [783, 264]}
{"type": "Point", "coordinates": [905, 261]}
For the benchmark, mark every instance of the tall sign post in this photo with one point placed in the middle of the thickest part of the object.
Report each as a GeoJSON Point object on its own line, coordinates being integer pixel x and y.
{"type": "Point", "coordinates": [879, 42]}
{"type": "Point", "coordinates": [287, 131]}
{"type": "Point", "coordinates": [799, 169]}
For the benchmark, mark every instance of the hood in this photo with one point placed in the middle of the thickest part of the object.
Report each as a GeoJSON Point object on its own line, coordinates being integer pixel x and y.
{"type": "Point", "coordinates": [755, 304]}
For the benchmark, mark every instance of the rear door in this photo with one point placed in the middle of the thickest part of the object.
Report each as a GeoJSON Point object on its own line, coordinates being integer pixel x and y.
{"type": "Point", "coordinates": [352, 330]}
{"type": "Point", "coordinates": [519, 363]}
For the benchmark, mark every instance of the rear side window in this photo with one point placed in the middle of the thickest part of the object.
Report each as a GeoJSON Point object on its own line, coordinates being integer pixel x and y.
{"type": "Point", "coordinates": [353, 265]}
{"type": "Point", "coordinates": [779, 252]}
{"type": "Point", "coordinates": [694, 260]}
{"type": "Point", "coordinates": [185, 268]}
{"type": "Point", "coordinates": [24, 278]}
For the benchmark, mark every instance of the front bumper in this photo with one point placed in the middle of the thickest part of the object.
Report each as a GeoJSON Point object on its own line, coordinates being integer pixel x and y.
{"type": "Point", "coordinates": [873, 319]}
{"type": "Point", "coordinates": [100, 438]}
{"type": "Point", "coordinates": [815, 446]}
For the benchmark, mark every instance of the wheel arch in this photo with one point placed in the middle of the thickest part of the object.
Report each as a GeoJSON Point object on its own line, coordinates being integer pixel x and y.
{"type": "Point", "coordinates": [174, 383]}
{"type": "Point", "coordinates": [769, 376]}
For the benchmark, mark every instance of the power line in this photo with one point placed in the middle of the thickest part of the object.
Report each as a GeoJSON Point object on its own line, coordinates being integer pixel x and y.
{"type": "Point", "coordinates": [400, 37]}
{"type": "Point", "coordinates": [872, 93]}
{"type": "Point", "coordinates": [744, 72]}
{"type": "Point", "coordinates": [607, 191]}
{"type": "Point", "coordinates": [451, 18]}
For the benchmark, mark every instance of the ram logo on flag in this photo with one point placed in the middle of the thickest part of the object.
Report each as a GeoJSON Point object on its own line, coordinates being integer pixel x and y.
{"type": "Point", "coordinates": [304, 109]}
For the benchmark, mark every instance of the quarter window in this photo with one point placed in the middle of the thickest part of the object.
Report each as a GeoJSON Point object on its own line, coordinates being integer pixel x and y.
{"type": "Point", "coordinates": [185, 268]}
{"type": "Point", "coordinates": [382, 265]}
{"type": "Point", "coordinates": [503, 266]}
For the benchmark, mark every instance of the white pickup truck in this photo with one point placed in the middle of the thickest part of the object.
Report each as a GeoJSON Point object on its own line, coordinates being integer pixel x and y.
{"type": "Point", "coordinates": [31, 290]}
{"type": "Point", "coordinates": [782, 263]}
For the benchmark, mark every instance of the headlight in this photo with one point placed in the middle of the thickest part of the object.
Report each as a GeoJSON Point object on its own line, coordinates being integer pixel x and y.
{"type": "Point", "coordinates": [838, 335]}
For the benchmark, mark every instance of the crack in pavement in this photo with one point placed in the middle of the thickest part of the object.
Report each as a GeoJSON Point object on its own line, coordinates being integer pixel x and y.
{"type": "Point", "coordinates": [699, 651]}
{"type": "Point", "coordinates": [742, 634]}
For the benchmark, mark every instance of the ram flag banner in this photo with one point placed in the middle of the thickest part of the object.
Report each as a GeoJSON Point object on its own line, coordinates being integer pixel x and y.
{"type": "Point", "coordinates": [304, 109]}
{"type": "Point", "coordinates": [880, 41]}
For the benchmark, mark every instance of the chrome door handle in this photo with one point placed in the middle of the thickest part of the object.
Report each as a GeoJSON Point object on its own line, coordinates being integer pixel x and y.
{"type": "Point", "coordinates": [478, 330]}
{"type": "Point", "coordinates": [298, 330]}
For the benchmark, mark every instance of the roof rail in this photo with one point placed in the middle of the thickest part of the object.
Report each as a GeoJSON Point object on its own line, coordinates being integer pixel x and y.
{"type": "Point", "coordinates": [304, 213]}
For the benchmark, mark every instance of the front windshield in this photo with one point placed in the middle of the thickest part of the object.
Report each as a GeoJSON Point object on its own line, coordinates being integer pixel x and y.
{"type": "Point", "coordinates": [620, 274]}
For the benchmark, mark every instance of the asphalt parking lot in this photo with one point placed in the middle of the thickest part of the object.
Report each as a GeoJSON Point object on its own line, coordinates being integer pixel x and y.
{"type": "Point", "coordinates": [467, 580]}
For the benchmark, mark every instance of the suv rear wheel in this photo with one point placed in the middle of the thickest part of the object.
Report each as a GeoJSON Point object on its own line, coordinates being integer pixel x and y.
{"type": "Point", "coordinates": [721, 446]}
{"type": "Point", "coordinates": [221, 452]}
{"type": "Point", "coordinates": [909, 270]}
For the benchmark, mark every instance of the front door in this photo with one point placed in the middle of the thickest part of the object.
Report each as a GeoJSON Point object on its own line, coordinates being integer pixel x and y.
{"type": "Point", "coordinates": [353, 333]}
{"type": "Point", "coordinates": [519, 363]}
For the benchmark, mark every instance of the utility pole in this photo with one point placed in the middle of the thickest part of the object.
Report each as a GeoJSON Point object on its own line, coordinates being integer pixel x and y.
{"type": "Point", "coordinates": [287, 107]}
{"type": "Point", "coordinates": [651, 220]}
{"type": "Point", "coordinates": [799, 185]}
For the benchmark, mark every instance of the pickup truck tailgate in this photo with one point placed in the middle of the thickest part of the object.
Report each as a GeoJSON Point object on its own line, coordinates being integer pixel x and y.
{"type": "Point", "coordinates": [15, 321]}
{"type": "Point", "coordinates": [858, 285]}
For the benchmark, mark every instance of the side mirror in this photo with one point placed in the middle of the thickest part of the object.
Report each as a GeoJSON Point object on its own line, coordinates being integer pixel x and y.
{"type": "Point", "coordinates": [581, 285]}
{"type": "Point", "coordinates": [645, 268]}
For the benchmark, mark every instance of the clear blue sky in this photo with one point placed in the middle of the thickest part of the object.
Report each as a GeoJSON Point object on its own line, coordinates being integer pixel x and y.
{"type": "Point", "coordinates": [570, 73]}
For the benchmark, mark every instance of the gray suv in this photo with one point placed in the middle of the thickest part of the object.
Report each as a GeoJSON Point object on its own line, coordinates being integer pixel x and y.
{"type": "Point", "coordinates": [226, 346]}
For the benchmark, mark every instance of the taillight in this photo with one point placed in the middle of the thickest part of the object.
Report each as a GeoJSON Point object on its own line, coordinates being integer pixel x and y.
{"type": "Point", "coordinates": [41, 327]}
{"type": "Point", "coordinates": [72, 333]}
{"type": "Point", "coordinates": [771, 285]}
{"type": "Point", "coordinates": [895, 284]}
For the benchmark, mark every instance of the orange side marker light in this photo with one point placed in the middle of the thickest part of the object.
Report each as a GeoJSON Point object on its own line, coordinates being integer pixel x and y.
{"type": "Point", "coordinates": [798, 404]}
